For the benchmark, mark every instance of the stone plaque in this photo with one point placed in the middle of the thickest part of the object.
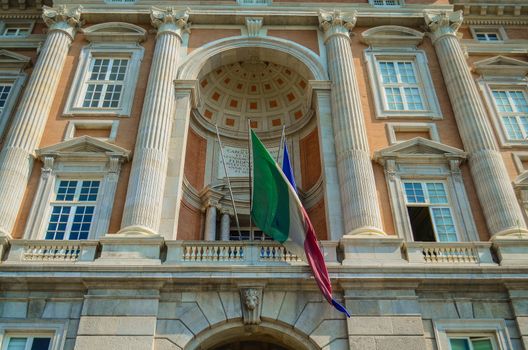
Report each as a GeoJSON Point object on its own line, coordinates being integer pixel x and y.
{"type": "Point", "coordinates": [237, 161]}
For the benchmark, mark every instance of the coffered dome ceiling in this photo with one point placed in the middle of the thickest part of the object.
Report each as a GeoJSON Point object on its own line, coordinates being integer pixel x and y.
{"type": "Point", "coordinates": [269, 94]}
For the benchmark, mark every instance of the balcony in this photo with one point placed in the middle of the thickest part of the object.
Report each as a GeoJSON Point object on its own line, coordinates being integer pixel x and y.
{"type": "Point", "coordinates": [347, 252]}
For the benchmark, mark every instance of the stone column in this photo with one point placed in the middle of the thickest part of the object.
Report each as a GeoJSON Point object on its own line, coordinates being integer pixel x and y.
{"type": "Point", "coordinates": [17, 156]}
{"type": "Point", "coordinates": [225, 226]}
{"type": "Point", "coordinates": [495, 192]}
{"type": "Point", "coordinates": [142, 212]}
{"type": "Point", "coordinates": [210, 223]}
{"type": "Point", "coordinates": [359, 200]}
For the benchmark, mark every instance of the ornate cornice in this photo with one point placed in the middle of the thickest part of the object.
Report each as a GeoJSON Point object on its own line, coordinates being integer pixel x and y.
{"type": "Point", "coordinates": [443, 23]}
{"type": "Point", "coordinates": [169, 20]}
{"type": "Point", "coordinates": [336, 22]}
{"type": "Point", "coordinates": [62, 18]}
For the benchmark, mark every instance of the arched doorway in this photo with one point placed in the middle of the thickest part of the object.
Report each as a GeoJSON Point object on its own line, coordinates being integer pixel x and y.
{"type": "Point", "coordinates": [234, 335]}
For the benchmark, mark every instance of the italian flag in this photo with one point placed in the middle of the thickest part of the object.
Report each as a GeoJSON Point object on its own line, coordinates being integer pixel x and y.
{"type": "Point", "coordinates": [277, 211]}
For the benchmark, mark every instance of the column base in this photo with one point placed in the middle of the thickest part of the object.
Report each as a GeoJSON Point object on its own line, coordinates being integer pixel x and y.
{"type": "Point", "coordinates": [366, 232]}
{"type": "Point", "coordinates": [137, 231]}
{"type": "Point", "coordinates": [373, 250]}
{"type": "Point", "coordinates": [511, 233]}
{"type": "Point", "coordinates": [128, 248]}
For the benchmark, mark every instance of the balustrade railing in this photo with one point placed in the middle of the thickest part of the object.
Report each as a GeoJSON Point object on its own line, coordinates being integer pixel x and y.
{"type": "Point", "coordinates": [52, 251]}
{"type": "Point", "coordinates": [449, 253]}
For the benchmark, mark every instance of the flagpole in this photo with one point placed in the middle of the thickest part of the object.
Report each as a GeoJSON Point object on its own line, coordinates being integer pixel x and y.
{"type": "Point", "coordinates": [250, 181]}
{"type": "Point", "coordinates": [228, 181]}
{"type": "Point", "coordinates": [282, 140]}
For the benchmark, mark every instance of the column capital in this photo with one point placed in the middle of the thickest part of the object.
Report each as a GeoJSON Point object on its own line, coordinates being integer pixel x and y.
{"type": "Point", "coordinates": [335, 22]}
{"type": "Point", "coordinates": [443, 23]}
{"type": "Point", "coordinates": [62, 18]}
{"type": "Point", "coordinates": [169, 20]}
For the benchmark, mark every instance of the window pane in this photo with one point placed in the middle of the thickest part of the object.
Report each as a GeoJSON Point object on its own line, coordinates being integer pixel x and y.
{"type": "Point", "coordinates": [437, 193]}
{"type": "Point", "coordinates": [89, 190]}
{"type": "Point", "coordinates": [513, 128]}
{"type": "Point", "coordinates": [445, 226]}
{"type": "Point", "coordinates": [82, 220]}
{"type": "Point", "coordinates": [482, 344]}
{"type": "Point", "coordinates": [41, 344]}
{"type": "Point", "coordinates": [58, 222]}
{"type": "Point", "coordinates": [519, 101]}
{"type": "Point", "coordinates": [414, 192]}
{"type": "Point", "coordinates": [414, 100]}
{"type": "Point", "coordinates": [118, 70]}
{"type": "Point", "coordinates": [407, 72]}
{"type": "Point", "coordinates": [394, 99]}
{"type": "Point", "coordinates": [388, 72]}
{"type": "Point", "coordinates": [99, 69]}
{"type": "Point", "coordinates": [459, 344]}
{"type": "Point", "coordinates": [501, 100]}
{"type": "Point", "coordinates": [17, 344]}
{"type": "Point", "coordinates": [4, 94]}
{"type": "Point", "coordinates": [93, 95]}
{"type": "Point", "coordinates": [66, 190]}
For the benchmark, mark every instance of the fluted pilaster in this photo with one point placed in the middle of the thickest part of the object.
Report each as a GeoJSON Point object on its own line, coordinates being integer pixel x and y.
{"type": "Point", "coordinates": [356, 177]}
{"type": "Point", "coordinates": [17, 156]}
{"type": "Point", "coordinates": [503, 214]}
{"type": "Point", "coordinates": [143, 204]}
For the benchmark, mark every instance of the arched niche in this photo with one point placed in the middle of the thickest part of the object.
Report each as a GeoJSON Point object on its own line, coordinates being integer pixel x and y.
{"type": "Point", "coordinates": [215, 67]}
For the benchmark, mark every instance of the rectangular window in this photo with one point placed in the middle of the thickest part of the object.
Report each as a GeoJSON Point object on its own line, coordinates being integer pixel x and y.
{"type": "Point", "coordinates": [17, 29]}
{"type": "Point", "coordinates": [105, 83]}
{"type": "Point", "coordinates": [429, 212]}
{"type": "Point", "coordinates": [385, 3]}
{"type": "Point", "coordinates": [487, 36]}
{"type": "Point", "coordinates": [471, 343]}
{"type": "Point", "coordinates": [5, 90]}
{"type": "Point", "coordinates": [72, 210]}
{"type": "Point", "coordinates": [512, 106]}
{"type": "Point", "coordinates": [400, 86]}
{"type": "Point", "coordinates": [27, 343]}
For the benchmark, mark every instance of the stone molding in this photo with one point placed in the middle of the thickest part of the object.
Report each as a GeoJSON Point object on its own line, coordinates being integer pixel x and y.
{"type": "Point", "coordinates": [118, 32]}
{"type": "Point", "coordinates": [253, 25]}
{"type": "Point", "coordinates": [501, 66]}
{"type": "Point", "coordinates": [335, 22]}
{"type": "Point", "coordinates": [444, 23]}
{"type": "Point", "coordinates": [392, 36]}
{"type": "Point", "coordinates": [62, 18]}
{"type": "Point", "coordinates": [169, 20]}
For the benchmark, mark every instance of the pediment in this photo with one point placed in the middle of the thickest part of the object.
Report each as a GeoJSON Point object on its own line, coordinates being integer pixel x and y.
{"type": "Point", "coordinates": [419, 148]}
{"type": "Point", "coordinates": [115, 32]}
{"type": "Point", "coordinates": [391, 36]}
{"type": "Point", "coordinates": [521, 181]}
{"type": "Point", "coordinates": [84, 146]}
{"type": "Point", "coordinates": [501, 66]}
{"type": "Point", "coordinates": [12, 60]}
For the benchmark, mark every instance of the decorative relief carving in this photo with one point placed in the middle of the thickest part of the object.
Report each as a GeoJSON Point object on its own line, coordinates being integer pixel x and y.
{"type": "Point", "coordinates": [169, 19]}
{"type": "Point", "coordinates": [443, 23]}
{"type": "Point", "coordinates": [253, 25]}
{"type": "Point", "coordinates": [336, 22]}
{"type": "Point", "coordinates": [251, 305]}
{"type": "Point", "coordinates": [62, 18]}
{"type": "Point", "coordinates": [47, 168]}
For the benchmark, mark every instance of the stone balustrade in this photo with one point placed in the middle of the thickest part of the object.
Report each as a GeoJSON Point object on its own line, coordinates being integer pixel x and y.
{"type": "Point", "coordinates": [449, 253]}
{"type": "Point", "coordinates": [52, 251]}
{"type": "Point", "coordinates": [351, 252]}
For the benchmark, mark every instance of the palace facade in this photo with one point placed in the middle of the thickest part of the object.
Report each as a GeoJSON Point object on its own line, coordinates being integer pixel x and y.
{"type": "Point", "coordinates": [407, 125]}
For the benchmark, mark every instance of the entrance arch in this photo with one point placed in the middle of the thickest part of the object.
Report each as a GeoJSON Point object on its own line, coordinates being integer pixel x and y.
{"type": "Point", "coordinates": [265, 336]}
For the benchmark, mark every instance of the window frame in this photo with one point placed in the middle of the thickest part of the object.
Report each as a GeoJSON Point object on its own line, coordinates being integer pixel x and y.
{"type": "Point", "coordinates": [487, 87]}
{"type": "Point", "coordinates": [7, 24]}
{"type": "Point", "coordinates": [131, 51]}
{"type": "Point", "coordinates": [73, 204]}
{"type": "Point", "coordinates": [494, 328]}
{"type": "Point", "coordinates": [493, 341]}
{"type": "Point", "coordinates": [254, 2]}
{"type": "Point", "coordinates": [418, 59]}
{"type": "Point", "coordinates": [398, 3]}
{"type": "Point", "coordinates": [431, 205]}
{"type": "Point", "coordinates": [61, 163]}
{"type": "Point", "coordinates": [498, 30]}
{"type": "Point", "coordinates": [24, 328]}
